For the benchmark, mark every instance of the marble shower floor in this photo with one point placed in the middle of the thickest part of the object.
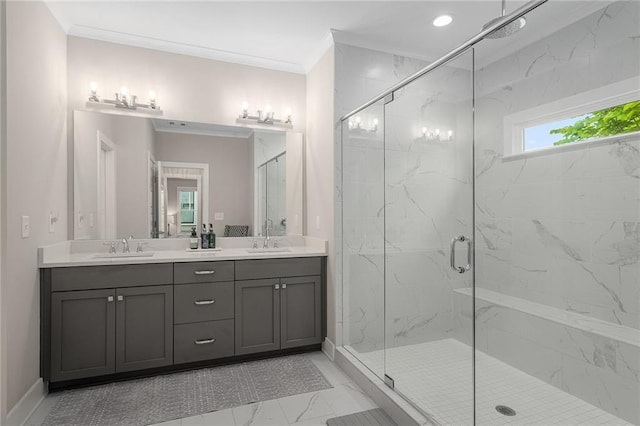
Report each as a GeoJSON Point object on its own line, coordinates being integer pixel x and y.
{"type": "Point", "coordinates": [436, 377]}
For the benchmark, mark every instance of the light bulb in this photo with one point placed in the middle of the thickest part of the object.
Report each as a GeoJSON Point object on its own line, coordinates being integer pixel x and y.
{"type": "Point", "coordinates": [245, 106]}
{"type": "Point", "coordinates": [437, 132]}
{"type": "Point", "coordinates": [124, 91]}
{"type": "Point", "coordinates": [357, 120]}
{"type": "Point", "coordinates": [152, 95]}
{"type": "Point", "coordinates": [424, 131]}
{"type": "Point", "coordinates": [267, 109]}
{"type": "Point", "coordinates": [450, 134]}
{"type": "Point", "coordinates": [93, 86]}
{"type": "Point", "coordinates": [442, 21]}
{"type": "Point", "coordinates": [375, 121]}
{"type": "Point", "coordinates": [287, 112]}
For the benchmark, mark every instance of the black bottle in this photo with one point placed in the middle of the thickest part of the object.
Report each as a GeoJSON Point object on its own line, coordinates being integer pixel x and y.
{"type": "Point", "coordinates": [211, 237]}
{"type": "Point", "coordinates": [204, 238]}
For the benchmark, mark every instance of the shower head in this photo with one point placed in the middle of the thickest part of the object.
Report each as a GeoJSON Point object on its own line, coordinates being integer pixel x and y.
{"type": "Point", "coordinates": [508, 29]}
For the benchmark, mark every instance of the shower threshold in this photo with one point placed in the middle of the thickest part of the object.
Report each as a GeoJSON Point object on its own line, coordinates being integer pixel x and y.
{"type": "Point", "coordinates": [436, 378]}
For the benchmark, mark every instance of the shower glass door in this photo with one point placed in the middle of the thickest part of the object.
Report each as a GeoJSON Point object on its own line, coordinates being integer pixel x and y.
{"type": "Point", "coordinates": [428, 213]}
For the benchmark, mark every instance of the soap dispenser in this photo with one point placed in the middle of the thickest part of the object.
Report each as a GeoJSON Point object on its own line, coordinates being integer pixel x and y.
{"type": "Point", "coordinates": [204, 238]}
{"type": "Point", "coordinates": [212, 237]}
{"type": "Point", "coordinates": [193, 242]}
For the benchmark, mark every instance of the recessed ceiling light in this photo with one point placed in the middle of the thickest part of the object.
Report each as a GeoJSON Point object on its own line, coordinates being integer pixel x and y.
{"type": "Point", "coordinates": [442, 20]}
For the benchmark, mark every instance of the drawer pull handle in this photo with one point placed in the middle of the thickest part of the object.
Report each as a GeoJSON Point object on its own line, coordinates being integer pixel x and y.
{"type": "Point", "coordinates": [204, 341]}
{"type": "Point", "coordinates": [207, 272]}
{"type": "Point", "coordinates": [204, 302]}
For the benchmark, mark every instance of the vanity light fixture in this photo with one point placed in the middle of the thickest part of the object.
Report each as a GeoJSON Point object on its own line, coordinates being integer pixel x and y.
{"type": "Point", "coordinates": [264, 116]}
{"type": "Point", "coordinates": [123, 100]}
{"type": "Point", "coordinates": [356, 125]}
{"type": "Point", "coordinates": [428, 135]}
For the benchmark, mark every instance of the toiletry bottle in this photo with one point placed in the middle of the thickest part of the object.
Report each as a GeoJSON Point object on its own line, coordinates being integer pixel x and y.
{"type": "Point", "coordinates": [204, 238]}
{"type": "Point", "coordinates": [193, 242]}
{"type": "Point", "coordinates": [212, 237]}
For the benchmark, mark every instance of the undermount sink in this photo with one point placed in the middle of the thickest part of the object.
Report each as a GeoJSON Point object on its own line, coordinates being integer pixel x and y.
{"type": "Point", "coordinates": [269, 250]}
{"type": "Point", "coordinates": [121, 255]}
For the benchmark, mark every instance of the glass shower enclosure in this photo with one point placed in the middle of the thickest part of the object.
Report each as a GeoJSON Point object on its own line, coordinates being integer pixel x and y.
{"type": "Point", "coordinates": [490, 245]}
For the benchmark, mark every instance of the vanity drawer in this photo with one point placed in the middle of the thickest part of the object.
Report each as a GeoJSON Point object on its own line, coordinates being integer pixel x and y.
{"type": "Point", "coordinates": [202, 341]}
{"type": "Point", "coordinates": [112, 276]}
{"type": "Point", "coordinates": [270, 268]}
{"type": "Point", "coordinates": [203, 302]}
{"type": "Point", "coordinates": [202, 272]}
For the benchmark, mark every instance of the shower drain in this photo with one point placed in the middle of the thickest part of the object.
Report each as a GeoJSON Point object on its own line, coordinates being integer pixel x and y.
{"type": "Point", "coordinates": [505, 411]}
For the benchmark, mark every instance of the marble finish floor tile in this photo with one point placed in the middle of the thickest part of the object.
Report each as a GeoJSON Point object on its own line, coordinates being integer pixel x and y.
{"type": "Point", "coordinates": [311, 409]}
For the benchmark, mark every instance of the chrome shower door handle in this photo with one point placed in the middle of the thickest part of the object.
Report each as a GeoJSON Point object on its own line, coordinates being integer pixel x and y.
{"type": "Point", "coordinates": [452, 254]}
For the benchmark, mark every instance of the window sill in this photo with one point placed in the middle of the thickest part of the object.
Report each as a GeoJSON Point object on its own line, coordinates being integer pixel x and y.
{"type": "Point", "coordinates": [626, 137]}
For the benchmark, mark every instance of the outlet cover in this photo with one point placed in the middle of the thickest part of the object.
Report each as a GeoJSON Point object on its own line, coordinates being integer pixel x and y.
{"type": "Point", "coordinates": [25, 227]}
{"type": "Point", "coordinates": [218, 216]}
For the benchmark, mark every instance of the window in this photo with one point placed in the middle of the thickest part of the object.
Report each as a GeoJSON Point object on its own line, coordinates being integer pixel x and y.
{"type": "Point", "coordinates": [603, 114]}
{"type": "Point", "coordinates": [613, 121]}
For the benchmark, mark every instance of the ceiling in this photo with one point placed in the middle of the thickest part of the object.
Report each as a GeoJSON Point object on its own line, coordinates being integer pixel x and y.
{"type": "Point", "coordinates": [288, 35]}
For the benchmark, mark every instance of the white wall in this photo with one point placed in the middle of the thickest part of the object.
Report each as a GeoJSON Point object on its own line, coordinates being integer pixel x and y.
{"type": "Point", "coordinates": [188, 88]}
{"type": "Point", "coordinates": [3, 228]}
{"type": "Point", "coordinates": [36, 177]}
{"type": "Point", "coordinates": [320, 168]}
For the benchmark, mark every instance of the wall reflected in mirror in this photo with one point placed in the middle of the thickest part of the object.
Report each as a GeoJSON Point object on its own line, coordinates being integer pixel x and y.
{"type": "Point", "coordinates": [158, 178]}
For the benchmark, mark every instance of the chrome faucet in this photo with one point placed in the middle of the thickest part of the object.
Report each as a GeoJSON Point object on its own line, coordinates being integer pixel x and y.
{"type": "Point", "coordinates": [125, 244]}
{"type": "Point", "coordinates": [265, 243]}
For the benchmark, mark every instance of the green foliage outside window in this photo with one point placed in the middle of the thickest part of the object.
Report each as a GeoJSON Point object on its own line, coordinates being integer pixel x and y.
{"type": "Point", "coordinates": [612, 121]}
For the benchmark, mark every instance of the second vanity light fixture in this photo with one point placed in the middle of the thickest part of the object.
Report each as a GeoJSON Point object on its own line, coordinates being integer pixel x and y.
{"type": "Point", "coordinates": [434, 135]}
{"type": "Point", "coordinates": [356, 125]}
{"type": "Point", "coordinates": [124, 100]}
{"type": "Point", "coordinates": [264, 116]}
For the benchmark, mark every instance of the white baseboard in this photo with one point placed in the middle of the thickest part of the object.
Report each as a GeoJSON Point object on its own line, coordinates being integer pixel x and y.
{"type": "Point", "coordinates": [329, 348]}
{"type": "Point", "coordinates": [29, 402]}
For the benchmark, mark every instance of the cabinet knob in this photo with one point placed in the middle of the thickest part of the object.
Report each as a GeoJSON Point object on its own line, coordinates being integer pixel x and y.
{"type": "Point", "coordinates": [120, 298]}
{"type": "Point", "coordinates": [277, 286]}
{"type": "Point", "coordinates": [110, 299]}
{"type": "Point", "coordinates": [284, 286]}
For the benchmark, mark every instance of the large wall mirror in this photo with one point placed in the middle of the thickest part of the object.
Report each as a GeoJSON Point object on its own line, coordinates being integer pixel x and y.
{"type": "Point", "coordinates": [158, 178]}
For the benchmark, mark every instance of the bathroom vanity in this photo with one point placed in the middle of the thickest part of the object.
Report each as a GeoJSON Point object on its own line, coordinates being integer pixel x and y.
{"type": "Point", "coordinates": [104, 319]}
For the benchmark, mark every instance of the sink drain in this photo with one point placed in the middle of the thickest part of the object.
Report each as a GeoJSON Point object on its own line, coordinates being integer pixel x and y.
{"type": "Point", "coordinates": [505, 411]}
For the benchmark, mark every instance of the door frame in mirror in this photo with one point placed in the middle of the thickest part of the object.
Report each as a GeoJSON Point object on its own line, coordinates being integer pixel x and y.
{"type": "Point", "coordinates": [204, 206]}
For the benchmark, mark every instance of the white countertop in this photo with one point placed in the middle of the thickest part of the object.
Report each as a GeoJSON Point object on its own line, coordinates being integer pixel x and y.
{"type": "Point", "coordinates": [83, 253]}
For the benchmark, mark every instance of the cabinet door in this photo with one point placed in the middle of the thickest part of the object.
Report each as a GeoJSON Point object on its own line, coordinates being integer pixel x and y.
{"type": "Point", "coordinates": [300, 316]}
{"type": "Point", "coordinates": [144, 327]}
{"type": "Point", "coordinates": [257, 320]}
{"type": "Point", "coordinates": [82, 334]}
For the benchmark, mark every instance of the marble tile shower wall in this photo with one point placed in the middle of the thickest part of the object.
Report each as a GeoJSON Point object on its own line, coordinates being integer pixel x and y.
{"type": "Point", "coordinates": [361, 74]}
{"type": "Point", "coordinates": [426, 182]}
{"type": "Point", "coordinates": [562, 228]}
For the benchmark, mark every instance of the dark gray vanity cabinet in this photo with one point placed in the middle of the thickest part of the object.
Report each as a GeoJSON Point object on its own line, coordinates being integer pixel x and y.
{"type": "Point", "coordinates": [278, 305]}
{"type": "Point", "coordinates": [144, 327]}
{"type": "Point", "coordinates": [257, 316]}
{"type": "Point", "coordinates": [300, 311]}
{"type": "Point", "coordinates": [204, 311]}
{"type": "Point", "coordinates": [106, 319]}
{"type": "Point", "coordinates": [83, 327]}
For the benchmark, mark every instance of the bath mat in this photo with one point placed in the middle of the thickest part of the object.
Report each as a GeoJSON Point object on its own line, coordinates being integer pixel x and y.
{"type": "Point", "coordinates": [178, 395]}
{"type": "Point", "coordinates": [375, 417]}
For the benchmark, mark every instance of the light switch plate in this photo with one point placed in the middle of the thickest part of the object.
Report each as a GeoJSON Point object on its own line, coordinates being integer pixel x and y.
{"type": "Point", "coordinates": [317, 222]}
{"type": "Point", "coordinates": [25, 227]}
{"type": "Point", "coordinates": [218, 216]}
{"type": "Point", "coordinates": [80, 220]}
{"type": "Point", "coordinates": [91, 220]}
